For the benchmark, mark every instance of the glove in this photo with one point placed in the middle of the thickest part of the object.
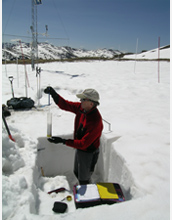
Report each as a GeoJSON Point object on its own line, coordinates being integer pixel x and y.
{"type": "Point", "coordinates": [49, 90]}
{"type": "Point", "coordinates": [52, 92]}
{"type": "Point", "coordinates": [56, 140]}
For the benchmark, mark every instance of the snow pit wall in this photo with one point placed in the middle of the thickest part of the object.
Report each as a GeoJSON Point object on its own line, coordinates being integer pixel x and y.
{"type": "Point", "coordinates": [54, 160]}
{"type": "Point", "coordinates": [58, 160]}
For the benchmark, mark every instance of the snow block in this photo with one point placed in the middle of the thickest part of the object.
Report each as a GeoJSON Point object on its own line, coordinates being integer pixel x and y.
{"type": "Point", "coordinates": [97, 194]}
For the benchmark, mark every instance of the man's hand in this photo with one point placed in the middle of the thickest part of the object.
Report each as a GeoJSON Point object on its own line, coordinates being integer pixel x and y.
{"type": "Point", "coordinates": [48, 90]}
{"type": "Point", "coordinates": [56, 140]}
{"type": "Point", "coordinates": [52, 92]}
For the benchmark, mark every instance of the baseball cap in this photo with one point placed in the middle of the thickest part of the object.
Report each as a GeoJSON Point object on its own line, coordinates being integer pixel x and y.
{"type": "Point", "coordinates": [91, 94]}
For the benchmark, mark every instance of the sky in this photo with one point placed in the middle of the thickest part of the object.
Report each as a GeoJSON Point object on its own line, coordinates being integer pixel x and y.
{"type": "Point", "coordinates": [125, 25]}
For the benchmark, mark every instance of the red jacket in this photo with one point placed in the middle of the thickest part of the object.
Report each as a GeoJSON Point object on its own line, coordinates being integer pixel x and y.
{"type": "Point", "coordinates": [88, 126]}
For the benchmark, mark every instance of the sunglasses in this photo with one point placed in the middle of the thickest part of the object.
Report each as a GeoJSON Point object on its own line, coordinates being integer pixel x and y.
{"type": "Point", "coordinates": [83, 100]}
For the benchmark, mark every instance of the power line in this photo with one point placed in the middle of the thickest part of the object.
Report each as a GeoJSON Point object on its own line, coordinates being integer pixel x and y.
{"type": "Point", "coordinates": [51, 38]}
{"type": "Point", "coordinates": [61, 19]}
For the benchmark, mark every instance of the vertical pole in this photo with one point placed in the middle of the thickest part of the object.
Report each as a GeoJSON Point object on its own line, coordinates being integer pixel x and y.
{"type": "Point", "coordinates": [38, 75]}
{"type": "Point", "coordinates": [17, 72]}
{"type": "Point", "coordinates": [26, 77]}
{"type": "Point", "coordinates": [49, 124]}
{"type": "Point", "coordinates": [11, 81]}
{"type": "Point", "coordinates": [33, 35]}
{"type": "Point", "coordinates": [136, 55]}
{"type": "Point", "coordinates": [5, 58]}
{"type": "Point", "coordinates": [5, 65]}
{"type": "Point", "coordinates": [36, 39]}
{"type": "Point", "coordinates": [48, 98]}
{"type": "Point", "coordinates": [158, 59]}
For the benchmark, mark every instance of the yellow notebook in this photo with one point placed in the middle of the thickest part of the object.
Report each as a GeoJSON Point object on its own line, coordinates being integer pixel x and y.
{"type": "Point", "coordinates": [107, 191]}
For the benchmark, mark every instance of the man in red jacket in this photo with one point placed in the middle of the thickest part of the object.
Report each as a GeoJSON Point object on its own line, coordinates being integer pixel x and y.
{"type": "Point", "coordinates": [87, 131]}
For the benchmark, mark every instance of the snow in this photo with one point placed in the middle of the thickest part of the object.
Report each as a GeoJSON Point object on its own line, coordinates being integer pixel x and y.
{"type": "Point", "coordinates": [164, 53]}
{"type": "Point", "coordinates": [135, 147]}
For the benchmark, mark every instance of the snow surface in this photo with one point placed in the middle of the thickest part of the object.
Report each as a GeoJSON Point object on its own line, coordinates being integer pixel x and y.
{"type": "Point", "coordinates": [135, 147]}
{"type": "Point", "coordinates": [164, 53]}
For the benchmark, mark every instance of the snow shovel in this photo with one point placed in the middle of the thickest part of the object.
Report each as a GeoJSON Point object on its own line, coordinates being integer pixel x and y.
{"type": "Point", "coordinates": [6, 126]}
{"type": "Point", "coordinates": [11, 81]}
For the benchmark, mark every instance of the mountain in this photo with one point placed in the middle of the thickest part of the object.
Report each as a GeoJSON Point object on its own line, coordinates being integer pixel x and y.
{"type": "Point", "coordinates": [50, 52]}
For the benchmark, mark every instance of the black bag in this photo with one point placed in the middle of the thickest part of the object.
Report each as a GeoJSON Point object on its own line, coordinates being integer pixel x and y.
{"type": "Point", "coordinates": [20, 103]}
{"type": "Point", "coordinates": [5, 111]}
{"type": "Point", "coordinates": [59, 207]}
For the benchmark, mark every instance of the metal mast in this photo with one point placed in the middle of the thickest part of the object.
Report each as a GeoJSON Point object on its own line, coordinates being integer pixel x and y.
{"type": "Point", "coordinates": [34, 44]}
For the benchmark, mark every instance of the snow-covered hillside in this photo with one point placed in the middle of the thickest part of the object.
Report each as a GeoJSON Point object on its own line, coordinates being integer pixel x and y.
{"type": "Point", "coordinates": [135, 149]}
{"type": "Point", "coordinates": [164, 53]}
{"type": "Point", "coordinates": [48, 51]}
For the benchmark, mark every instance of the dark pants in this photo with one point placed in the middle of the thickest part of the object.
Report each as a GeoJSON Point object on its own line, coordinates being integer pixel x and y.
{"type": "Point", "coordinates": [84, 165]}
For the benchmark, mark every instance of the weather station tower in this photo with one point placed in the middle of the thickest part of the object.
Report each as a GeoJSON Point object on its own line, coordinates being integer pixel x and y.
{"type": "Point", "coordinates": [34, 44]}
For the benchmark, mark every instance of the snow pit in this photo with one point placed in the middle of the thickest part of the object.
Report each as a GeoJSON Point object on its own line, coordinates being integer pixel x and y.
{"type": "Point", "coordinates": [54, 169]}
{"type": "Point", "coordinates": [57, 160]}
